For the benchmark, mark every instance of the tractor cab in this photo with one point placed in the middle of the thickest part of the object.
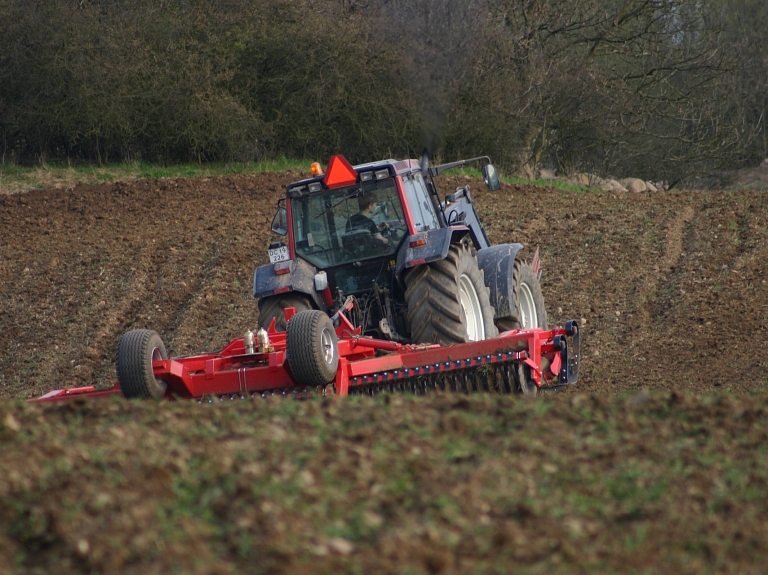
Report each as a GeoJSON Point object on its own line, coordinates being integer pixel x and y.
{"type": "Point", "coordinates": [348, 225]}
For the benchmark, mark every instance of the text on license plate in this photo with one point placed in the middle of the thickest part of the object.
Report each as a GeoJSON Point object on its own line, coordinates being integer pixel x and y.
{"type": "Point", "coordinates": [278, 254]}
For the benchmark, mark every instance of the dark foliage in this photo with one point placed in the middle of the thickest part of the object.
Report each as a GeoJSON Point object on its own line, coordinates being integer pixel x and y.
{"type": "Point", "coordinates": [660, 88]}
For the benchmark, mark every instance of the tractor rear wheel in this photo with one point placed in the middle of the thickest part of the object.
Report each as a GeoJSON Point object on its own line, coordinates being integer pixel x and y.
{"type": "Point", "coordinates": [528, 310]}
{"type": "Point", "coordinates": [312, 348]}
{"type": "Point", "coordinates": [448, 301]}
{"type": "Point", "coordinates": [136, 351]}
{"type": "Point", "coordinates": [274, 307]}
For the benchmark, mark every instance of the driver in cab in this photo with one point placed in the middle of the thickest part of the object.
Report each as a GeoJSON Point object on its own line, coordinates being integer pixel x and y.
{"type": "Point", "coordinates": [366, 203]}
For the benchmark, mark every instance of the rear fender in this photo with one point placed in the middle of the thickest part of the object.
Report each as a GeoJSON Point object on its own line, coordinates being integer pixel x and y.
{"type": "Point", "coordinates": [497, 263]}
{"type": "Point", "coordinates": [301, 278]}
{"type": "Point", "coordinates": [438, 242]}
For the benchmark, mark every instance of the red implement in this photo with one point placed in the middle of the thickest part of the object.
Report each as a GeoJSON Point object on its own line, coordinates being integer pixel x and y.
{"type": "Point", "coordinates": [543, 358]}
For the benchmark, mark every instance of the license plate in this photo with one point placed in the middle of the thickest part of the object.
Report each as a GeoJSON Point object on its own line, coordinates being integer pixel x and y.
{"type": "Point", "coordinates": [278, 254]}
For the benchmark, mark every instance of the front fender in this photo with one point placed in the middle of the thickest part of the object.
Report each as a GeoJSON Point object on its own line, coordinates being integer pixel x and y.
{"type": "Point", "coordinates": [497, 263]}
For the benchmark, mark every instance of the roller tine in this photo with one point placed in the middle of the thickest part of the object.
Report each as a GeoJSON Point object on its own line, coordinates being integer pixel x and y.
{"type": "Point", "coordinates": [492, 380]}
{"type": "Point", "coordinates": [508, 384]}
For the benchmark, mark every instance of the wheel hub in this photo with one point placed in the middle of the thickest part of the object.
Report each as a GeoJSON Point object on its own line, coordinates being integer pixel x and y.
{"type": "Point", "coordinates": [329, 350]}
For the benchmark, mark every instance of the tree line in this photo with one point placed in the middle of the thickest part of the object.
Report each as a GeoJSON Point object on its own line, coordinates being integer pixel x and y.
{"type": "Point", "coordinates": [655, 88]}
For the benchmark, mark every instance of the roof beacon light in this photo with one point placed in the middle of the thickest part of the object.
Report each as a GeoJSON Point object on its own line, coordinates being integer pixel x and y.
{"type": "Point", "coordinates": [340, 173]}
{"type": "Point", "coordinates": [316, 168]}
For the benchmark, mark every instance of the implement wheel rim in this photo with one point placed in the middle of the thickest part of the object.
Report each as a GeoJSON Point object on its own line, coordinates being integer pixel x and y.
{"type": "Point", "coordinates": [471, 311]}
{"type": "Point", "coordinates": [329, 349]}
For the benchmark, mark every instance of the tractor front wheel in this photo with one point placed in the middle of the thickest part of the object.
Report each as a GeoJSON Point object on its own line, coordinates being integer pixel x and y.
{"type": "Point", "coordinates": [136, 351]}
{"type": "Point", "coordinates": [448, 301]}
{"type": "Point", "coordinates": [312, 348]}
{"type": "Point", "coordinates": [274, 307]}
{"type": "Point", "coordinates": [528, 310]}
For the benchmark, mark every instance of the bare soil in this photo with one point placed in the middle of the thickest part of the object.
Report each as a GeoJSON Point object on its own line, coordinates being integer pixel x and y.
{"type": "Point", "coordinates": [672, 287]}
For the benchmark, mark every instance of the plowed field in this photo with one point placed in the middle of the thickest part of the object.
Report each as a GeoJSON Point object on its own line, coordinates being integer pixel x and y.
{"type": "Point", "coordinates": [672, 286]}
{"type": "Point", "coordinates": [671, 290]}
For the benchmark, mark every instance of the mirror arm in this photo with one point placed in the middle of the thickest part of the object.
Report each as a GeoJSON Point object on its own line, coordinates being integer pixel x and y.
{"type": "Point", "coordinates": [437, 170]}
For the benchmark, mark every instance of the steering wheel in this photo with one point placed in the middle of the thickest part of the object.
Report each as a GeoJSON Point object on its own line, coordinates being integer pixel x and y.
{"type": "Point", "coordinates": [391, 229]}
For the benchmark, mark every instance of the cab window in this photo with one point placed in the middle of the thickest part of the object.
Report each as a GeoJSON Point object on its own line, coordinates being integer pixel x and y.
{"type": "Point", "coordinates": [423, 212]}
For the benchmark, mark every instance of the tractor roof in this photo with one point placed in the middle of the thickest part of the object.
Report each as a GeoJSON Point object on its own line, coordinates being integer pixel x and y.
{"type": "Point", "coordinates": [341, 173]}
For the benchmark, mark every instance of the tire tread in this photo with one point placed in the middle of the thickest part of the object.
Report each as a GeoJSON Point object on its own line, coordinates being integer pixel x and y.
{"type": "Point", "coordinates": [134, 364]}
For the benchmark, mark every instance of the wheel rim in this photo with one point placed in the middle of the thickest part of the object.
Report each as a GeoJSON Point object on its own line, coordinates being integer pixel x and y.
{"type": "Point", "coordinates": [157, 355]}
{"type": "Point", "coordinates": [472, 313]}
{"type": "Point", "coordinates": [329, 350]}
{"type": "Point", "coordinates": [529, 318]}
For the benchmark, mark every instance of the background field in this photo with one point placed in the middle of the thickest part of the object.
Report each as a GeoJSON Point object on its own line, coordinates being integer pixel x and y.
{"type": "Point", "coordinates": [670, 288]}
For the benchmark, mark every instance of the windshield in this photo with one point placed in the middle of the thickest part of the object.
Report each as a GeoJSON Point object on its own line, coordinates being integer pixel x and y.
{"type": "Point", "coordinates": [349, 224]}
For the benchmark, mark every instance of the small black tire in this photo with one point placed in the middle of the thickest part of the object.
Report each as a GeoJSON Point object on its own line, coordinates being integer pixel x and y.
{"type": "Point", "coordinates": [136, 351]}
{"type": "Point", "coordinates": [312, 348]}
{"type": "Point", "coordinates": [274, 307]}
{"type": "Point", "coordinates": [528, 309]}
{"type": "Point", "coordinates": [435, 294]}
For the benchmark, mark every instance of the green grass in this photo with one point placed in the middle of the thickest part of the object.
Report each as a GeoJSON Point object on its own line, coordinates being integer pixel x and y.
{"type": "Point", "coordinates": [396, 484]}
{"type": "Point", "coordinates": [15, 178]}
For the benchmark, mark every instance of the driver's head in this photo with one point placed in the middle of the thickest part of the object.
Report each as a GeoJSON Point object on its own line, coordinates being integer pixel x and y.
{"type": "Point", "coordinates": [365, 201]}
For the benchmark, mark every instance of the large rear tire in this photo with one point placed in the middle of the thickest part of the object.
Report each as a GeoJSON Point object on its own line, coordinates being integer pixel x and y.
{"type": "Point", "coordinates": [274, 307]}
{"type": "Point", "coordinates": [312, 348]}
{"type": "Point", "coordinates": [448, 301]}
{"type": "Point", "coordinates": [528, 307]}
{"type": "Point", "coordinates": [136, 351]}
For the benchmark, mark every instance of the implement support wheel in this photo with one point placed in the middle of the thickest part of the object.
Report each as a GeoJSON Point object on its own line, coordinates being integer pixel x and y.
{"type": "Point", "coordinates": [136, 351]}
{"type": "Point", "coordinates": [312, 348]}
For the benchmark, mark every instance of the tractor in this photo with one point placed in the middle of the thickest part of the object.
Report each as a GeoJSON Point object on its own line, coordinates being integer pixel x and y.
{"type": "Point", "coordinates": [417, 267]}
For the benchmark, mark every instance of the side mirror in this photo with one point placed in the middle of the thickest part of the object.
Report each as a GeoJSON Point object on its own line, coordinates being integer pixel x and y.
{"type": "Point", "coordinates": [491, 177]}
{"type": "Point", "coordinates": [280, 222]}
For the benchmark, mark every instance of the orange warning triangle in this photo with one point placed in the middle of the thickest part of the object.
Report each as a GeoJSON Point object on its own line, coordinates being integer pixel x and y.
{"type": "Point", "coordinates": [339, 173]}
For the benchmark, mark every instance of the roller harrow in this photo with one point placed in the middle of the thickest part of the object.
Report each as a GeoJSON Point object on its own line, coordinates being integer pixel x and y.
{"type": "Point", "coordinates": [340, 361]}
